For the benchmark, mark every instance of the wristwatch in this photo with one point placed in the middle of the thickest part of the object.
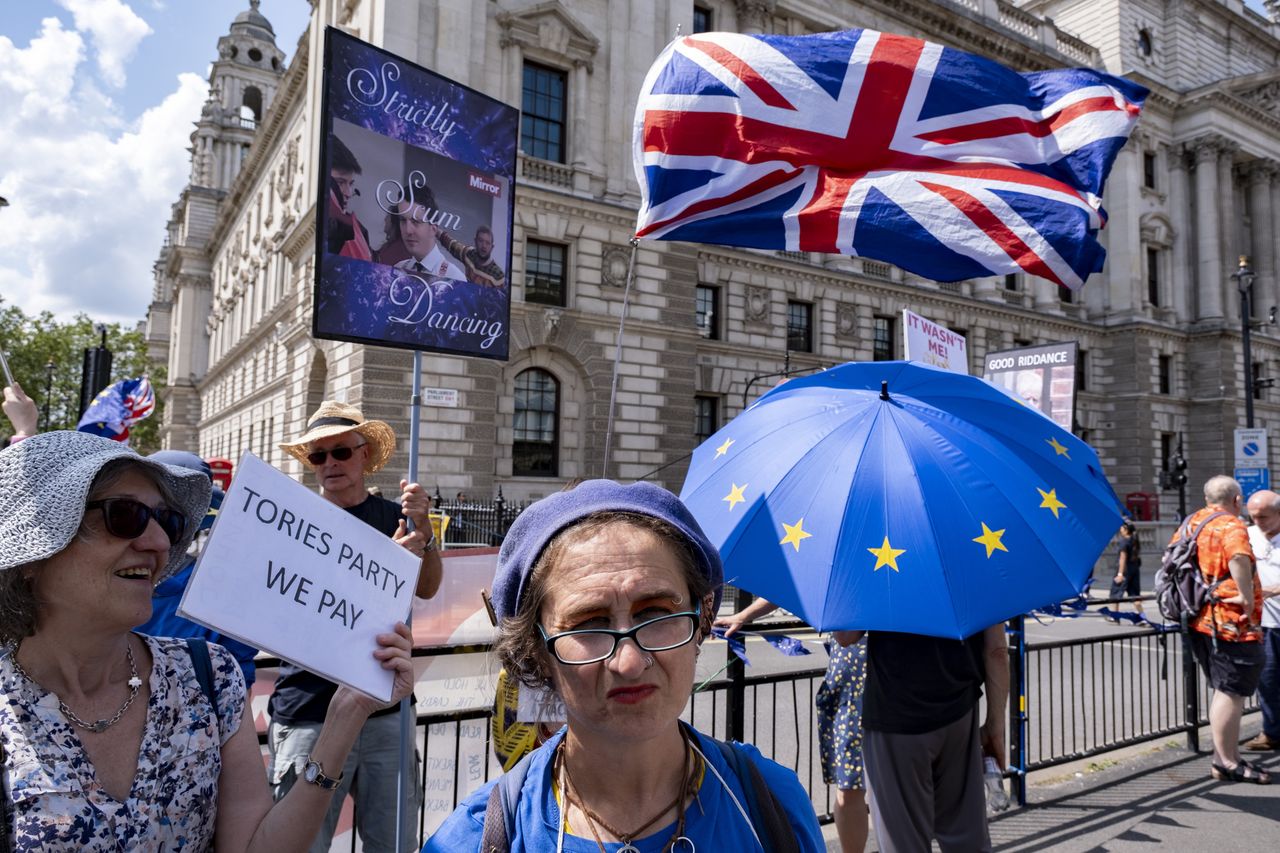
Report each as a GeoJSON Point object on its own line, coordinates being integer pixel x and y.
{"type": "Point", "coordinates": [433, 544]}
{"type": "Point", "coordinates": [312, 772]}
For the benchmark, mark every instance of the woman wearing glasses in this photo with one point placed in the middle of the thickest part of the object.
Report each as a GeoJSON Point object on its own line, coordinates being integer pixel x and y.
{"type": "Point", "coordinates": [112, 740]}
{"type": "Point", "coordinates": [605, 594]}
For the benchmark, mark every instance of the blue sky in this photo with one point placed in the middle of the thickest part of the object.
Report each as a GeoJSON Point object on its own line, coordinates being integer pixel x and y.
{"type": "Point", "coordinates": [99, 98]}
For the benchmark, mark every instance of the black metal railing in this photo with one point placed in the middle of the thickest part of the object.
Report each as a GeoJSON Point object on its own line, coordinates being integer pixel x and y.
{"type": "Point", "coordinates": [477, 523]}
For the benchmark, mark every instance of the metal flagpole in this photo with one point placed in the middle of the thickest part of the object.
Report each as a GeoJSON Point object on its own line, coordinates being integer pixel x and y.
{"type": "Point", "coordinates": [404, 780]}
{"type": "Point", "coordinates": [617, 355]}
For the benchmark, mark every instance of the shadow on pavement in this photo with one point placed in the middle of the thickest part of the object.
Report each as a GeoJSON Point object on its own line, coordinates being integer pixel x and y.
{"type": "Point", "coordinates": [1161, 801]}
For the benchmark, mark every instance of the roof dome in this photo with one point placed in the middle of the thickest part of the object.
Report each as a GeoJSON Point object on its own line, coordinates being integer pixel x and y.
{"type": "Point", "coordinates": [254, 23]}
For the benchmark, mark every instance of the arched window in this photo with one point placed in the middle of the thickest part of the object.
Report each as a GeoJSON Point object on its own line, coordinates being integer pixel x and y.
{"type": "Point", "coordinates": [252, 102]}
{"type": "Point", "coordinates": [535, 446]}
{"type": "Point", "coordinates": [1145, 44]}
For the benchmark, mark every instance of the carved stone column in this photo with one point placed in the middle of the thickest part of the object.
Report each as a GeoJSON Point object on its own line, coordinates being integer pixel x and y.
{"type": "Point", "coordinates": [1229, 227]}
{"type": "Point", "coordinates": [1180, 210]}
{"type": "Point", "coordinates": [1261, 229]}
{"type": "Point", "coordinates": [1208, 233]}
{"type": "Point", "coordinates": [754, 14]}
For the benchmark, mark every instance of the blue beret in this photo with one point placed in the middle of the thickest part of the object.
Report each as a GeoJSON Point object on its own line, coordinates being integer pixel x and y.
{"type": "Point", "coordinates": [541, 521]}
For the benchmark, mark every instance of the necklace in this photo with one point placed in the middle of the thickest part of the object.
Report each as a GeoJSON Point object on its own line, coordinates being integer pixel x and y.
{"type": "Point", "coordinates": [100, 726]}
{"type": "Point", "coordinates": [686, 788]}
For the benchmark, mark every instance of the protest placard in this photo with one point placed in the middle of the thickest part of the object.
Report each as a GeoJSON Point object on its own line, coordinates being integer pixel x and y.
{"type": "Point", "coordinates": [297, 576]}
{"type": "Point", "coordinates": [1043, 377]}
{"type": "Point", "coordinates": [417, 204]}
{"type": "Point", "coordinates": [929, 343]}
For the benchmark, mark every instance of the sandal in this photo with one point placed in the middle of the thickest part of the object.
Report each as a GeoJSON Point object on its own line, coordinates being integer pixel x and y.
{"type": "Point", "coordinates": [1242, 772]}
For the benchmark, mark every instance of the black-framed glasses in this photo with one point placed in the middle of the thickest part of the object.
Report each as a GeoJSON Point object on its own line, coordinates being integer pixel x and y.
{"type": "Point", "coordinates": [341, 454]}
{"type": "Point", "coordinates": [591, 645]}
{"type": "Point", "coordinates": [128, 518]}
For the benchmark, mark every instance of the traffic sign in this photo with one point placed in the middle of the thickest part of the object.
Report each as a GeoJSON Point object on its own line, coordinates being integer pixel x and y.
{"type": "Point", "coordinates": [1251, 448]}
{"type": "Point", "coordinates": [1253, 479]}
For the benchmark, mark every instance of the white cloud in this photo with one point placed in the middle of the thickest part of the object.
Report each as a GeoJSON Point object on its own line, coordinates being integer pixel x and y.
{"type": "Point", "coordinates": [115, 30]}
{"type": "Point", "coordinates": [90, 191]}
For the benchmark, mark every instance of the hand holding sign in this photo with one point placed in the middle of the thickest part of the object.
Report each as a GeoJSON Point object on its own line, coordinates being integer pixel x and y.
{"type": "Point", "coordinates": [394, 652]}
{"type": "Point", "coordinates": [291, 573]}
{"type": "Point", "coordinates": [20, 409]}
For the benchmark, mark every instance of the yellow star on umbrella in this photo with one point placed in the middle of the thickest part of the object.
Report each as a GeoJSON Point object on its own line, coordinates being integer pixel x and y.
{"type": "Point", "coordinates": [795, 533]}
{"type": "Point", "coordinates": [991, 539]}
{"type": "Point", "coordinates": [886, 555]}
{"type": "Point", "coordinates": [724, 448]}
{"type": "Point", "coordinates": [1058, 448]}
{"type": "Point", "coordinates": [1051, 501]}
{"type": "Point", "coordinates": [735, 495]}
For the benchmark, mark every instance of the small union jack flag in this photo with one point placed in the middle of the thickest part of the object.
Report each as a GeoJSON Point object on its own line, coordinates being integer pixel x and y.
{"type": "Point", "coordinates": [118, 407]}
{"type": "Point", "coordinates": [865, 143]}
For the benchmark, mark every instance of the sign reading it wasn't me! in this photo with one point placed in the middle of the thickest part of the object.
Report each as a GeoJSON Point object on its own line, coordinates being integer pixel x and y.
{"type": "Point", "coordinates": [290, 573]}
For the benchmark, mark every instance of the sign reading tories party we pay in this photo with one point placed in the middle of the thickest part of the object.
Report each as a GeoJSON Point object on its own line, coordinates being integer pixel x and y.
{"type": "Point", "coordinates": [291, 573]}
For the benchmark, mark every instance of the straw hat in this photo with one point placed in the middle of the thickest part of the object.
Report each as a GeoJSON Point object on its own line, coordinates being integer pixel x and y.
{"type": "Point", "coordinates": [44, 483]}
{"type": "Point", "coordinates": [334, 418]}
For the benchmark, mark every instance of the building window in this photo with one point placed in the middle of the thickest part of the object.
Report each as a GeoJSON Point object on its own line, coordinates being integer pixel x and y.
{"type": "Point", "coordinates": [1149, 170]}
{"type": "Point", "coordinates": [1145, 43]}
{"type": "Point", "coordinates": [1066, 295]}
{"type": "Point", "coordinates": [708, 311]}
{"type": "Point", "coordinates": [542, 117]}
{"type": "Point", "coordinates": [1153, 276]}
{"type": "Point", "coordinates": [1082, 369]}
{"type": "Point", "coordinates": [1166, 374]}
{"type": "Point", "coordinates": [706, 417]}
{"type": "Point", "coordinates": [799, 326]}
{"type": "Point", "coordinates": [1011, 281]}
{"type": "Point", "coordinates": [882, 348]}
{"type": "Point", "coordinates": [535, 445]}
{"type": "Point", "coordinates": [701, 19]}
{"type": "Point", "coordinates": [544, 273]}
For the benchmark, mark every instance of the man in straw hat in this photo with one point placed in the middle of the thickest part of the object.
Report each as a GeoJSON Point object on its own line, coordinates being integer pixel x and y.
{"type": "Point", "coordinates": [341, 447]}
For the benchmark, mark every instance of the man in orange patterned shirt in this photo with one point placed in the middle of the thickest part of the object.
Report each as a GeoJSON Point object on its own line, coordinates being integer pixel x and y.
{"type": "Point", "coordinates": [1226, 637]}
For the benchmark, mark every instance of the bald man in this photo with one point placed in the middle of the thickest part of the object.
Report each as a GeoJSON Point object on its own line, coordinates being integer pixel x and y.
{"type": "Point", "coordinates": [1264, 536]}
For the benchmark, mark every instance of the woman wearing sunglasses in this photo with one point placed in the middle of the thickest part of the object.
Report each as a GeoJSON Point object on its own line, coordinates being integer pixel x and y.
{"type": "Point", "coordinates": [111, 740]}
{"type": "Point", "coordinates": [605, 594]}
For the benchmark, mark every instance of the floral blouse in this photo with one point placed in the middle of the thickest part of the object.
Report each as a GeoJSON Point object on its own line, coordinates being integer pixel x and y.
{"type": "Point", "coordinates": [51, 790]}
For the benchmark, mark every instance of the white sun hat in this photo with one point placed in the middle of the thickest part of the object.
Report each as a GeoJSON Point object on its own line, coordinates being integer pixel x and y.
{"type": "Point", "coordinates": [45, 482]}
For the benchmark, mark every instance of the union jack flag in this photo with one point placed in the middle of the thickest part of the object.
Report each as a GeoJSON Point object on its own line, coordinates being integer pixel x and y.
{"type": "Point", "coordinates": [864, 143]}
{"type": "Point", "coordinates": [118, 407]}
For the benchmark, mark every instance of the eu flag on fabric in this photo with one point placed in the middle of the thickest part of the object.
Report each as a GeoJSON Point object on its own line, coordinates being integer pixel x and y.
{"type": "Point", "coordinates": [118, 407]}
{"type": "Point", "coordinates": [946, 164]}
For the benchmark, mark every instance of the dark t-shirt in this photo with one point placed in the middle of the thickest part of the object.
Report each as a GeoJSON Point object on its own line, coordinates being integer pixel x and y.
{"type": "Point", "coordinates": [916, 684]}
{"type": "Point", "coordinates": [301, 696]}
{"type": "Point", "coordinates": [1130, 547]}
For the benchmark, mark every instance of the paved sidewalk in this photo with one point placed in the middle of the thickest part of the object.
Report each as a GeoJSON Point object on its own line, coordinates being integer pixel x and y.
{"type": "Point", "coordinates": [1161, 799]}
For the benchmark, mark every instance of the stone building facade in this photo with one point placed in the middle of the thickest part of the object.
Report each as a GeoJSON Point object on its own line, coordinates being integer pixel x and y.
{"type": "Point", "coordinates": [710, 328]}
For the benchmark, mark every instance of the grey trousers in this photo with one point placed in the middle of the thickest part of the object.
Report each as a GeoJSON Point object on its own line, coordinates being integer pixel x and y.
{"type": "Point", "coordinates": [928, 786]}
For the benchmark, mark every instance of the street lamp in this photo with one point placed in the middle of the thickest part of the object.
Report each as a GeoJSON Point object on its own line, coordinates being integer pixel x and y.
{"type": "Point", "coordinates": [48, 390]}
{"type": "Point", "coordinates": [1244, 283]}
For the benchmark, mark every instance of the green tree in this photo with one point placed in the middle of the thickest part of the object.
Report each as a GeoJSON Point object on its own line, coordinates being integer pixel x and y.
{"type": "Point", "coordinates": [33, 341]}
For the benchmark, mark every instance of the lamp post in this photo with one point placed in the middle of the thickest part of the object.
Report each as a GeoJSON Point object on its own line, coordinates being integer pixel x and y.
{"type": "Point", "coordinates": [1243, 277]}
{"type": "Point", "coordinates": [48, 390]}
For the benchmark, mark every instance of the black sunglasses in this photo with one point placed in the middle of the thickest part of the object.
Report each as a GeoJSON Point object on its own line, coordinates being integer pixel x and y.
{"type": "Point", "coordinates": [342, 454]}
{"type": "Point", "coordinates": [128, 518]}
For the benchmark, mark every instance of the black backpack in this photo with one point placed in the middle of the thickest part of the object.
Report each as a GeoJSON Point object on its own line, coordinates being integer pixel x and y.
{"type": "Point", "coordinates": [767, 815]}
{"type": "Point", "coordinates": [1181, 590]}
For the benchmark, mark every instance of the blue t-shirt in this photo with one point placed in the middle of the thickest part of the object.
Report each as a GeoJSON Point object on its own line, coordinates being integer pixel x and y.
{"type": "Point", "coordinates": [165, 621]}
{"type": "Point", "coordinates": [717, 825]}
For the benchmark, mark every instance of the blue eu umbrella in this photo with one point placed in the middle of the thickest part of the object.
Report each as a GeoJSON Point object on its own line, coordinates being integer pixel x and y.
{"type": "Point", "coordinates": [898, 496]}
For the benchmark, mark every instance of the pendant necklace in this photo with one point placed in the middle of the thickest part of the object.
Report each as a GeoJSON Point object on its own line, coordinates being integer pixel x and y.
{"type": "Point", "coordinates": [627, 837]}
{"type": "Point", "coordinates": [99, 726]}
